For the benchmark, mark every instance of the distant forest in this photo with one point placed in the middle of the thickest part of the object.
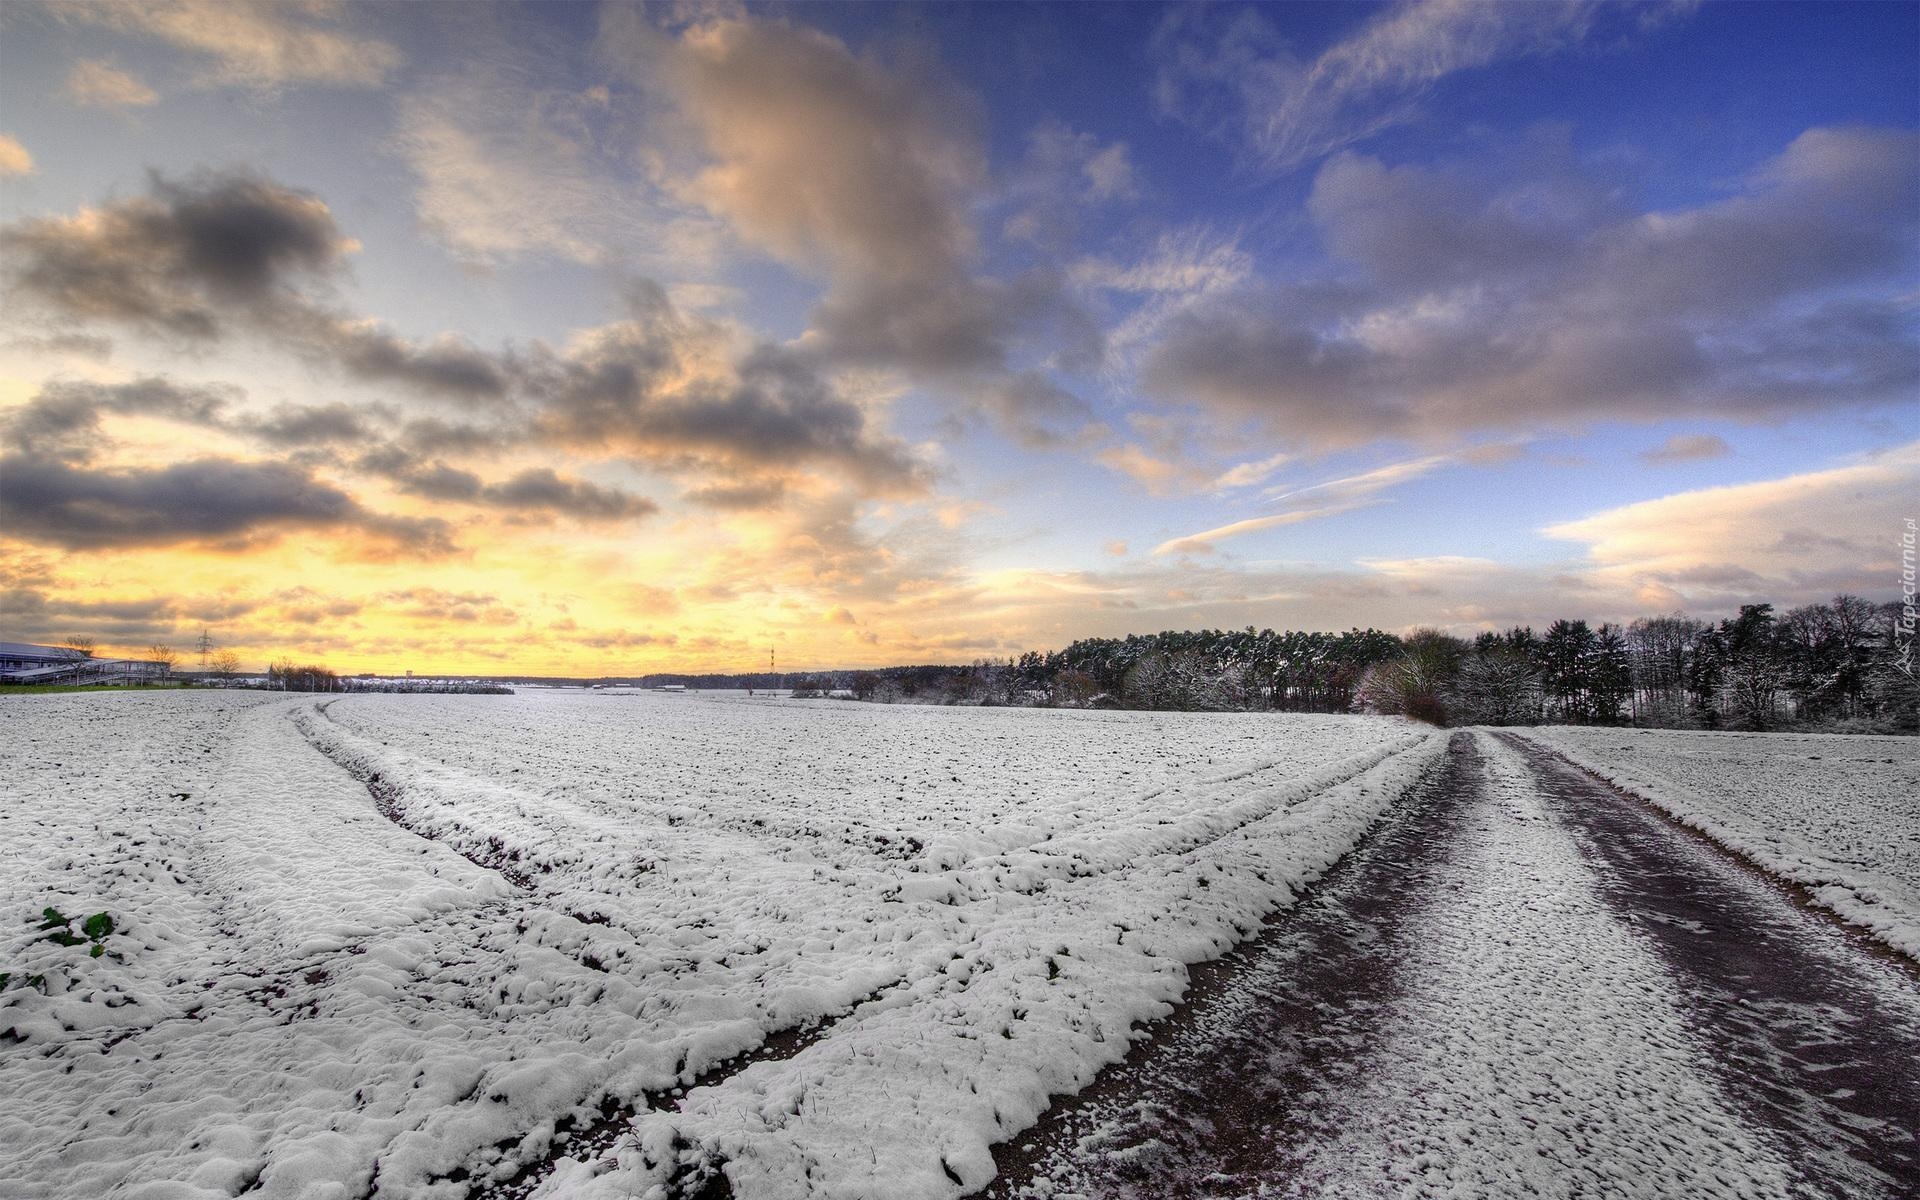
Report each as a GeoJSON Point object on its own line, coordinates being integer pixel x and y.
{"type": "Point", "coordinates": [1845, 666]}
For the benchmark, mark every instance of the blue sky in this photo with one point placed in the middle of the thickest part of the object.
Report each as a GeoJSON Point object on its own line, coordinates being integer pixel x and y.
{"type": "Point", "coordinates": [929, 331]}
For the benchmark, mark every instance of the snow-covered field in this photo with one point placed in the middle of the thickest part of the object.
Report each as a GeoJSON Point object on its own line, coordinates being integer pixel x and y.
{"type": "Point", "coordinates": [411, 942]}
{"type": "Point", "coordinates": [1837, 814]}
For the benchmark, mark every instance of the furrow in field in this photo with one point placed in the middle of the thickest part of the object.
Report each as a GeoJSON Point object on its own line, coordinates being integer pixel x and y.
{"type": "Point", "coordinates": [1040, 997]}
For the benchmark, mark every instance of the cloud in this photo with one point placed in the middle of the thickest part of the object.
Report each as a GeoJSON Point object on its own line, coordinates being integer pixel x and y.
{"type": "Point", "coordinates": [532, 490]}
{"type": "Point", "coordinates": [1787, 540]}
{"type": "Point", "coordinates": [1368, 483]}
{"type": "Point", "coordinates": [62, 420]}
{"type": "Point", "coordinates": [219, 502]}
{"type": "Point", "coordinates": [95, 84]}
{"type": "Point", "coordinates": [1523, 295]}
{"type": "Point", "coordinates": [1315, 501]}
{"type": "Point", "coordinates": [14, 159]}
{"type": "Point", "coordinates": [675, 389]}
{"type": "Point", "coordinates": [180, 258]}
{"type": "Point", "coordinates": [1180, 271]}
{"type": "Point", "coordinates": [541, 489]}
{"type": "Point", "coordinates": [743, 497]}
{"type": "Point", "coordinates": [863, 173]}
{"type": "Point", "coordinates": [1032, 410]}
{"type": "Point", "coordinates": [1249, 473]}
{"type": "Point", "coordinates": [496, 180]}
{"type": "Point", "coordinates": [1204, 541]}
{"type": "Point", "coordinates": [509, 166]}
{"type": "Point", "coordinates": [1159, 474]}
{"type": "Point", "coordinates": [831, 161]}
{"type": "Point", "coordinates": [1238, 73]}
{"type": "Point", "coordinates": [302, 426]}
{"type": "Point", "coordinates": [195, 258]}
{"type": "Point", "coordinates": [1064, 173]}
{"type": "Point", "coordinates": [259, 44]}
{"type": "Point", "coordinates": [668, 388]}
{"type": "Point", "coordinates": [448, 367]}
{"type": "Point", "coordinates": [1687, 447]}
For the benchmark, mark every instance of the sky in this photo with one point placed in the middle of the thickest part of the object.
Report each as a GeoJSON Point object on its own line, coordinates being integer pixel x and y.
{"type": "Point", "coordinates": [575, 338]}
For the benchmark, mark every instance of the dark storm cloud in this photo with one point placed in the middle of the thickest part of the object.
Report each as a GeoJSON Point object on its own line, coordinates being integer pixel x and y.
{"type": "Point", "coordinates": [1472, 301]}
{"type": "Point", "coordinates": [209, 500]}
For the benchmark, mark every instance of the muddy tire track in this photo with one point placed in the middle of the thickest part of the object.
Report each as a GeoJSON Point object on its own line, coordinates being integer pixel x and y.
{"type": "Point", "coordinates": [1812, 1035]}
{"type": "Point", "coordinates": [1230, 1086]}
{"type": "Point", "coordinates": [1815, 1029]}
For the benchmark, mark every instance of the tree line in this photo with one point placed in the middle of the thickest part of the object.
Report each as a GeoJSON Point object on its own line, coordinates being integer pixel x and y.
{"type": "Point", "coordinates": [1845, 664]}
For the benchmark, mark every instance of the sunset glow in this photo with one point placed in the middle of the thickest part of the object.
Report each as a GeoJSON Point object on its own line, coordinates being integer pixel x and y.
{"type": "Point", "coordinates": [597, 340]}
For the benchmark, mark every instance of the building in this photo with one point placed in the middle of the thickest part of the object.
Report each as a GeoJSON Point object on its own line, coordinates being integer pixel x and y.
{"type": "Point", "coordinates": [24, 662]}
{"type": "Point", "coordinates": [24, 656]}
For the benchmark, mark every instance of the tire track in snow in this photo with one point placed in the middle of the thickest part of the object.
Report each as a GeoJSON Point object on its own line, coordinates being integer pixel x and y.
{"type": "Point", "coordinates": [1814, 1039]}
{"type": "Point", "coordinates": [1228, 1089]}
{"type": "Point", "coordinates": [592, 1139]}
{"type": "Point", "coordinates": [1505, 992]}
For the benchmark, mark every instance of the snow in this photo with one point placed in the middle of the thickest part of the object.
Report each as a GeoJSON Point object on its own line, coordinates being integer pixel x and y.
{"type": "Point", "coordinates": [1839, 815]}
{"type": "Point", "coordinates": [557, 900]}
{"type": "Point", "coordinates": [1543, 1048]}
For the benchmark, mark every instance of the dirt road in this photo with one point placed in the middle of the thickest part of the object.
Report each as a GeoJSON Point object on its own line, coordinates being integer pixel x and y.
{"type": "Point", "coordinates": [1526, 984]}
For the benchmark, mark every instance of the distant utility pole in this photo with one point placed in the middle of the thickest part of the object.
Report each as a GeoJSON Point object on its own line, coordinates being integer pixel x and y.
{"type": "Point", "coordinates": [206, 649]}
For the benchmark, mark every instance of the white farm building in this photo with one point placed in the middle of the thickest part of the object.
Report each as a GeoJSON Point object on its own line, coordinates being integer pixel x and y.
{"type": "Point", "coordinates": [24, 662]}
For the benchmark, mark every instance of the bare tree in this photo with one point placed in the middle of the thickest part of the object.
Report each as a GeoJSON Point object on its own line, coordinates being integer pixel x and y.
{"type": "Point", "coordinates": [1496, 687]}
{"type": "Point", "coordinates": [226, 664]}
{"type": "Point", "coordinates": [81, 643]}
{"type": "Point", "coordinates": [163, 654]}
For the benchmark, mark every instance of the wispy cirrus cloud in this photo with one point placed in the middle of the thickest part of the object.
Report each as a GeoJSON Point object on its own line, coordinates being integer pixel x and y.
{"type": "Point", "coordinates": [1314, 501]}
{"type": "Point", "coordinates": [1237, 73]}
{"type": "Point", "coordinates": [259, 44]}
{"type": "Point", "coordinates": [513, 159]}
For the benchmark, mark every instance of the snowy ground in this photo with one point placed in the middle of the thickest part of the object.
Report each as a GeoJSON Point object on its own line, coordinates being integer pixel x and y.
{"type": "Point", "coordinates": [1837, 814]}
{"type": "Point", "coordinates": [409, 943]}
